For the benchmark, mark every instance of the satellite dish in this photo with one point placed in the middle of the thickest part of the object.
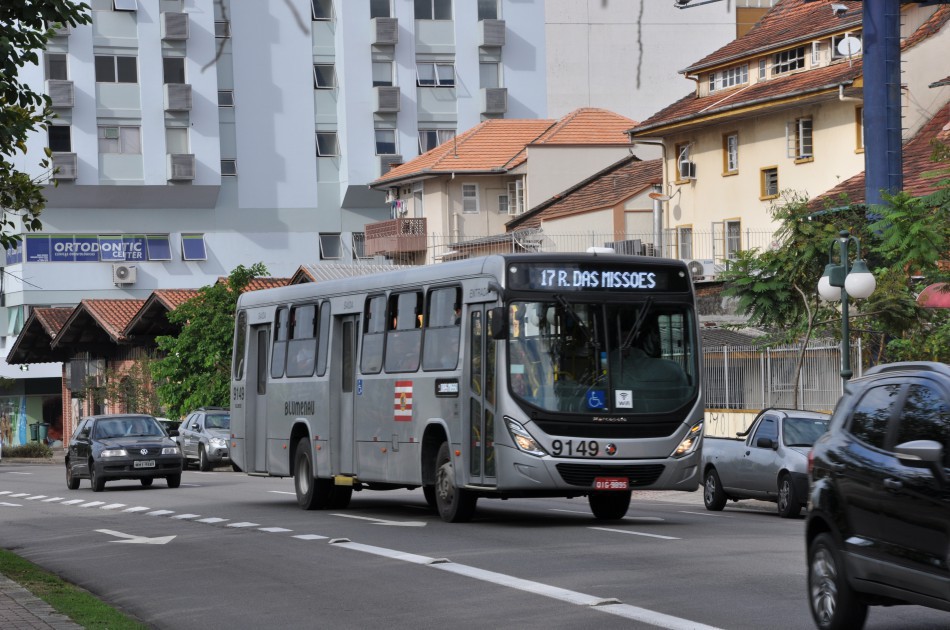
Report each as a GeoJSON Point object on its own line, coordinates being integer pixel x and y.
{"type": "Point", "coordinates": [849, 46]}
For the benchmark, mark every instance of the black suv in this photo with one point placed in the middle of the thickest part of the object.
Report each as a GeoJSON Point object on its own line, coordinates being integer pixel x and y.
{"type": "Point", "coordinates": [878, 526]}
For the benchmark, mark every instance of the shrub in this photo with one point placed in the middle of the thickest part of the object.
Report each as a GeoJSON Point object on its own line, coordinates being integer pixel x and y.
{"type": "Point", "coordinates": [33, 450]}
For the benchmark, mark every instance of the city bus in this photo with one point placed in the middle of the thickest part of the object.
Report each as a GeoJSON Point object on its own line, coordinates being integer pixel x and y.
{"type": "Point", "coordinates": [506, 376]}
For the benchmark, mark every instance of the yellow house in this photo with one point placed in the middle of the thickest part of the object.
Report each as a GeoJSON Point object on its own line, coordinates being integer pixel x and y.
{"type": "Point", "coordinates": [780, 109]}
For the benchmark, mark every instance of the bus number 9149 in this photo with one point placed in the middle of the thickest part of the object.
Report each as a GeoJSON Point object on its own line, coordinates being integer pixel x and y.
{"type": "Point", "coordinates": [571, 448]}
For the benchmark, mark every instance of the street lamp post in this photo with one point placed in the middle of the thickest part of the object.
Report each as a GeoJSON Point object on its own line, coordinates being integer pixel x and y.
{"type": "Point", "coordinates": [839, 282]}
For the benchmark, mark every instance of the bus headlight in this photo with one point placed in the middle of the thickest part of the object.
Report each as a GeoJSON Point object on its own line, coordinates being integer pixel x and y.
{"type": "Point", "coordinates": [523, 439]}
{"type": "Point", "coordinates": [690, 443]}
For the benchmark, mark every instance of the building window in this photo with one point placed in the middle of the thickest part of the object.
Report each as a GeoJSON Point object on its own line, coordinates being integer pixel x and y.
{"type": "Point", "coordinates": [730, 153]}
{"type": "Point", "coordinates": [225, 98]}
{"type": "Point", "coordinates": [763, 69]}
{"type": "Point", "coordinates": [324, 76]}
{"type": "Point", "coordinates": [222, 30]}
{"type": "Point", "coordinates": [433, 9]}
{"type": "Point", "coordinates": [487, 10]}
{"type": "Point", "coordinates": [733, 239]}
{"type": "Point", "coordinates": [321, 10]}
{"type": "Point", "coordinates": [516, 197]}
{"type": "Point", "coordinates": [173, 69]}
{"type": "Point", "coordinates": [176, 140]}
{"type": "Point", "coordinates": [385, 142]}
{"type": "Point", "coordinates": [359, 245]}
{"type": "Point", "coordinates": [431, 138]}
{"type": "Point", "coordinates": [859, 129]}
{"type": "Point", "coordinates": [59, 139]}
{"type": "Point", "coordinates": [502, 204]}
{"type": "Point", "coordinates": [815, 54]}
{"type": "Point", "coordinates": [382, 73]}
{"type": "Point", "coordinates": [331, 247]}
{"type": "Point", "coordinates": [193, 247]}
{"type": "Point", "coordinates": [327, 144]}
{"type": "Point", "coordinates": [125, 140]}
{"type": "Point", "coordinates": [436, 74]}
{"type": "Point", "coordinates": [489, 74]}
{"type": "Point", "coordinates": [470, 198]}
{"type": "Point", "coordinates": [116, 69]}
{"type": "Point", "coordinates": [56, 67]}
{"type": "Point", "coordinates": [799, 136]}
{"type": "Point", "coordinates": [728, 78]}
{"type": "Point", "coordinates": [768, 183]}
{"type": "Point", "coordinates": [380, 8]}
{"type": "Point", "coordinates": [684, 241]}
{"type": "Point", "coordinates": [682, 162]}
{"type": "Point", "coordinates": [228, 168]}
{"type": "Point", "coordinates": [788, 60]}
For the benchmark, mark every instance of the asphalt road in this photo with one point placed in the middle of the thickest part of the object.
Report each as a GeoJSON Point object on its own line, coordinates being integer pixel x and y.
{"type": "Point", "coordinates": [230, 551]}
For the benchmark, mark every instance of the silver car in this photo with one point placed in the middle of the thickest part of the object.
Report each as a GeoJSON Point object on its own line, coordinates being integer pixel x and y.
{"type": "Point", "coordinates": [203, 437]}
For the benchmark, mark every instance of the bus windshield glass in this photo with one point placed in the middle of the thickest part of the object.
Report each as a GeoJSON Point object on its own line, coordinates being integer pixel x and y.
{"type": "Point", "coordinates": [595, 358]}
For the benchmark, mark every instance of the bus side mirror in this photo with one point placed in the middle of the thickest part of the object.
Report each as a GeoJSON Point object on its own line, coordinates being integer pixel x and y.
{"type": "Point", "coordinates": [497, 327]}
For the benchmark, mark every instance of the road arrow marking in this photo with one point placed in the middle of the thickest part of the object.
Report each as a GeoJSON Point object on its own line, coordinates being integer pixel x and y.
{"type": "Point", "coordinates": [139, 540]}
{"type": "Point", "coordinates": [379, 521]}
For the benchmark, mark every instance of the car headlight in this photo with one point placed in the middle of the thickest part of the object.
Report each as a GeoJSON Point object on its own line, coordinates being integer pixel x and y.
{"type": "Point", "coordinates": [217, 442]}
{"type": "Point", "coordinates": [523, 439]}
{"type": "Point", "coordinates": [690, 443]}
{"type": "Point", "coordinates": [115, 452]}
{"type": "Point", "coordinates": [169, 450]}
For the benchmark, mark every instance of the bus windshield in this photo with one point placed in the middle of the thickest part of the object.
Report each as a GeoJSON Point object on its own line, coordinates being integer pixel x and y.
{"type": "Point", "coordinates": [596, 358]}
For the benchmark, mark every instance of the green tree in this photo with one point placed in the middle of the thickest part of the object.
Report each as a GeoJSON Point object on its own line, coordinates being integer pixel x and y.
{"type": "Point", "coordinates": [25, 29]}
{"type": "Point", "coordinates": [195, 368]}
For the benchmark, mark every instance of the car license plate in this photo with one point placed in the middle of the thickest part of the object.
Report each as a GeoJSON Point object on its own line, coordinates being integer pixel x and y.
{"type": "Point", "coordinates": [611, 483]}
{"type": "Point", "coordinates": [143, 463]}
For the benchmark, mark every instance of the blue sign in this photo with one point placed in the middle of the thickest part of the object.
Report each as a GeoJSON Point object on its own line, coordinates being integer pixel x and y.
{"type": "Point", "coordinates": [596, 399]}
{"type": "Point", "coordinates": [14, 253]}
{"type": "Point", "coordinates": [158, 248]}
{"type": "Point", "coordinates": [110, 248]}
{"type": "Point", "coordinates": [134, 247]}
{"type": "Point", "coordinates": [37, 248]}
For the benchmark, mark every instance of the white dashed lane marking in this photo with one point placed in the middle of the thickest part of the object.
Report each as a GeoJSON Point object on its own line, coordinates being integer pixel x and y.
{"type": "Point", "coordinates": [244, 524]}
{"type": "Point", "coordinates": [627, 531]}
{"type": "Point", "coordinates": [186, 516]}
{"type": "Point", "coordinates": [160, 512]}
{"type": "Point", "coordinates": [213, 519]}
{"type": "Point", "coordinates": [273, 530]}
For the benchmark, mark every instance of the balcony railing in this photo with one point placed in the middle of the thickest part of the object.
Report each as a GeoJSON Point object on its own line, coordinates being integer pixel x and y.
{"type": "Point", "coordinates": [396, 236]}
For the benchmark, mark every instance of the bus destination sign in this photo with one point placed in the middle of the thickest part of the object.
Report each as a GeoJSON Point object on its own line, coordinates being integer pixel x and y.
{"type": "Point", "coordinates": [597, 277]}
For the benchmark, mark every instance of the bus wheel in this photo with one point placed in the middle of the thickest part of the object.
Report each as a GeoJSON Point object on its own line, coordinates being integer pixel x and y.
{"type": "Point", "coordinates": [340, 497]}
{"type": "Point", "coordinates": [312, 494]}
{"type": "Point", "coordinates": [429, 493]}
{"type": "Point", "coordinates": [455, 505]}
{"type": "Point", "coordinates": [609, 506]}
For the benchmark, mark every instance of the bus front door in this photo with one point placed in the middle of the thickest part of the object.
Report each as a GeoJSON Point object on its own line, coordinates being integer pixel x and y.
{"type": "Point", "coordinates": [480, 416]}
{"type": "Point", "coordinates": [343, 362]}
{"type": "Point", "coordinates": [255, 449]}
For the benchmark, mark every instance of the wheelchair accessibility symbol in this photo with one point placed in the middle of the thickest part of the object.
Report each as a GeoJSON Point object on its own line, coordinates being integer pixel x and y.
{"type": "Point", "coordinates": [596, 399]}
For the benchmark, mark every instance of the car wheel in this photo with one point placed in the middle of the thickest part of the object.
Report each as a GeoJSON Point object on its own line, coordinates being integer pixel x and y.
{"type": "Point", "coordinates": [98, 483]}
{"type": "Point", "coordinates": [714, 497]}
{"type": "Point", "coordinates": [788, 503]}
{"type": "Point", "coordinates": [72, 481]}
{"type": "Point", "coordinates": [834, 604]}
{"type": "Point", "coordinates": [173, 481]}
{"type": "Point", "coordinates": [455, 505]}
{"type": "Point", "coordinates": [146, 482]}
{"type": "Point", "coordinates": [312, 494]}
{"type": "Point", "coordinates": [203, 464]}
{"type": "Point", "coordinates": [609, 506]}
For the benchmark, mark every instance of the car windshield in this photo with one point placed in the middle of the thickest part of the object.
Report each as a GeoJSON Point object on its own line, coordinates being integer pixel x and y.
{"type": "Point", "coordinates": [593, 358]}
{"type": "Point", "coordinates": [127, 427]}
{"type": "Point", "coordinates": [804, 431]}
{"type": "Point", "coordinates": [218, 421]}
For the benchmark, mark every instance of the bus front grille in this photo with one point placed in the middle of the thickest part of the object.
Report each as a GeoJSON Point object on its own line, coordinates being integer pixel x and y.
{"type": "Point", "coordinates": [584, 474]}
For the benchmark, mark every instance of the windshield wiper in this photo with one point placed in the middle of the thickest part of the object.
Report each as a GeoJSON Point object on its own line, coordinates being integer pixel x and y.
{"type": "Point", "coordinates": [563, 303]}
{"type": "Point", "coordinates": [638, 324]}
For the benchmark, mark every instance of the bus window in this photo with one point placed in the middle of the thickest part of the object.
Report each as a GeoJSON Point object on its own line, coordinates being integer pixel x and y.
{"type": "Point", "coordinates": [302, 347]}
{"type": "Point", "coordinates": [280, 344]}
{"type": "Point", "coordinates": [374, 332]}
{"type": "Point", "coordinates": [324, 338]}
{"type": "Point", "coordinates": [240, 340]}
{"type": "Point", "coordinates": [404, 337]}
{"type": "Point", "coordinates": [443, 329]}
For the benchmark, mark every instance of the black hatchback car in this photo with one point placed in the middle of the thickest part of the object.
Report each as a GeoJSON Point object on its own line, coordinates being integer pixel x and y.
{"type": "Point", "coordinates": [878, 526]}
{"type": "Point", "coordinates": [122, 446]}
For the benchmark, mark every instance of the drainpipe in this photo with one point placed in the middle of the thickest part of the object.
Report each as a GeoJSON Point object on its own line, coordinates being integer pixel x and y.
{"type": "Point", "coordinates": [657, 203]}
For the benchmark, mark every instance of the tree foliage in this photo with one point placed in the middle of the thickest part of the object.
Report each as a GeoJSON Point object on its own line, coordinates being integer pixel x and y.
{"type": "Point", "coordinates": [25, 29]}
{"type": "Point", "coordinates": [195, 368]}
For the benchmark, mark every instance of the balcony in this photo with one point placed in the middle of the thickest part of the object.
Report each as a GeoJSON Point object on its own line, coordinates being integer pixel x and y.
{"type": "Point", "coordinates": [396, 236]}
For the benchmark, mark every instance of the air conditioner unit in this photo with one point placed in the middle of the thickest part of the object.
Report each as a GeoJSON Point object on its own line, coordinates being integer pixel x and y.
{"type": "Point", "coordinates": [123, 274]}
{"type": "Point", "coordinates": [387, 98]}
{"type": "Point", "coordinates": [387, 162]}
{"type": "Point", "coordinates": [687, 170]}
{"type": "Point", "coordinates": [65, 166]}
{"type": "Point", "coordinates": [174, 25]}
{"type": "Point", "coordinates": [387, 31]}
{"type": "Point", "coordinates": [702, 269]}
{"type": "Point", "coordinates": [177, 97]}
{"type": "Point", "coordinates": [60, 92]}
{"type": "Point", "coordinates": [494, 100]}
{"type": "Point", "coordinates": [491, 33]}
{"type": "Point", "coordinates": [631, 247]}
{"type": "Point", "coordinates": [180, 166]}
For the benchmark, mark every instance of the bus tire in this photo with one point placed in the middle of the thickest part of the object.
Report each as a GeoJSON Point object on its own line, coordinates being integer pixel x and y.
{"type": "Point", "coordinates": [455, 505]}
{"type": "Point", "coordinates": [340, 497]}
{"type": "Point", "coordinates": [609, 506]}
{"type": "Point", "coordinates": [429, 493]}
{"type": "Point", "coordinates": [312, 494]}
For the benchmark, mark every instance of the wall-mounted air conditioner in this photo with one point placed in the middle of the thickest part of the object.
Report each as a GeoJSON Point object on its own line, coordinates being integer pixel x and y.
{"type": "Point", "coordinates": [491, 33]}
{"type": "Point", "coordinates": [387, 98]}
{"type": "Point", "coordinates": [174, 25]}
{"type": "Point", "coordinates": [65, 166]}
{"type": "Point", "coordinates": [61, 93]}
{"type": "Point", "coordinates": [702, 269]}
{"type": "Point", "coordinates": [181, 166]}
{"type": "Point", "coordinates": [387, 31]}
{"type": "Point", "coordinates": [123, 273]}
{"type": "Point", "coordinates": [177, 97]}
{"type": "Point", "coordinates": [494, 100]}
{"type": "Point", "coordinates": [387, 162]}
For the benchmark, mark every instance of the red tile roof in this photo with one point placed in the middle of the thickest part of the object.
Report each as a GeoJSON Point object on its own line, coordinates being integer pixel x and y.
{"type": "Point", "coordinates": [500, 144]}
{"type": "Point", "coordinates": [111, 315]}
{"type": "Point", "coordinates": [52, 319]}
{"type": "Point", "coordinates": [611, 186]}
{"type": "Point", "coordinates": [917, 164]}
{"type": "Point", "coordinates": [173, 298]}
{"type": "Point", "coordinates": [931, 27]}
{"type": "Point", "coordinates": [261, 283]}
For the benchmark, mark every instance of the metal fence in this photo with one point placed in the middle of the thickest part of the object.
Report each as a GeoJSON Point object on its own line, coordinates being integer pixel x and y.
{"type": "Point", "coordinates": [749, 377]}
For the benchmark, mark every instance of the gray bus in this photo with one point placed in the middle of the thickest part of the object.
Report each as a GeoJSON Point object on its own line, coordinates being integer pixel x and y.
{"type": "Point", "coordinates": [522, 375]}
